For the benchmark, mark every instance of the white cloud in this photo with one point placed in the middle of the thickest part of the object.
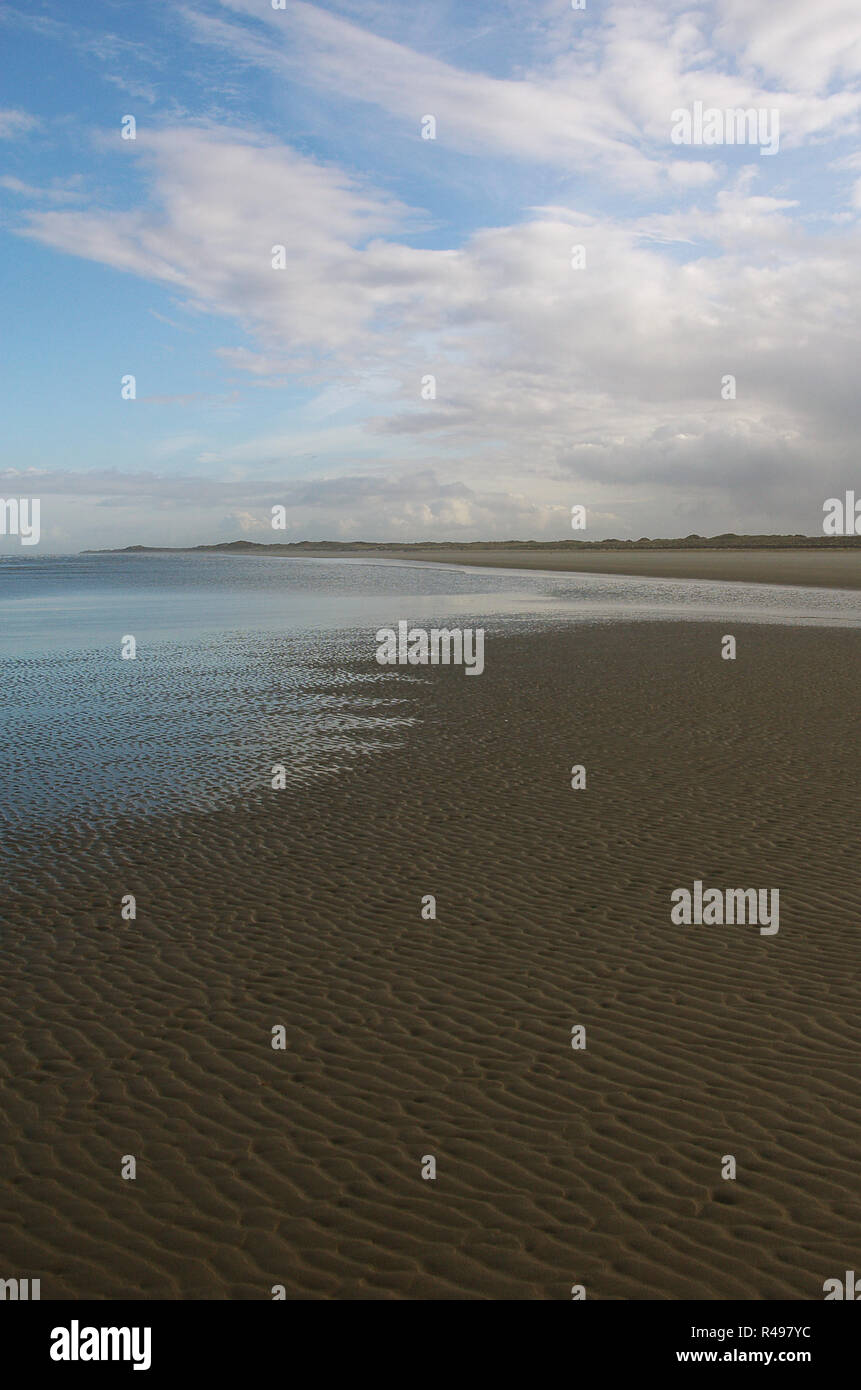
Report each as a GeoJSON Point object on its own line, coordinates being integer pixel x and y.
{"type": "Point", "coordinates": [57, 193]}
{"type": "Point", "coordinates": [543, 371]}
{"type": "Point", "coordinates": [224, 202]}
{"type": "Point", "coordinates": [600, 102]}
{"type": "Point", "coordinates": [692, 173]}
{"type": "Point", "coordinates": [801, 44]}
{"type": "Point", "coordinates": [554, 384]}
{"type": "Point", "coordinates": [14, 123]}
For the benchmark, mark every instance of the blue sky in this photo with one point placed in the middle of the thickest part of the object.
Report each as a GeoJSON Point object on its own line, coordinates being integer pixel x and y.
{"type": "Point", "coordinates": [408, 257]}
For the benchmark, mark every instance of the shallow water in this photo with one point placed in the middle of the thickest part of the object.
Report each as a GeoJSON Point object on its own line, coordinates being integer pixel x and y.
{"type": "Point", "coordinates": [247, 661]}
{"type": "Point", "coordinates": [75, 602]}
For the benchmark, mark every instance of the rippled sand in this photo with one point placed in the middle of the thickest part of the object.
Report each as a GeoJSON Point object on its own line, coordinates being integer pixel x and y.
{"type": "Point", "coordinates": [452, 1038]}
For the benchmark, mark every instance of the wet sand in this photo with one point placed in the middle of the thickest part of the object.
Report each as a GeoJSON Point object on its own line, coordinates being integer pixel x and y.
{"type": "Point", "coordinates": [451, 1038]}
{"type": "Point", "coordinates": [835, 569]}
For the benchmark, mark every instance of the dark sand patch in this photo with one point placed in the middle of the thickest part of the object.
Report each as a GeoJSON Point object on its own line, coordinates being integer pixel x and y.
{"type": "Point", "coordinates": [405, 1038]}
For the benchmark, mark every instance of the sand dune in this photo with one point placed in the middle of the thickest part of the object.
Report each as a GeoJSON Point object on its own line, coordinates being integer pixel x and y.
{"type": "Point", "coordinates": [451, 1038]}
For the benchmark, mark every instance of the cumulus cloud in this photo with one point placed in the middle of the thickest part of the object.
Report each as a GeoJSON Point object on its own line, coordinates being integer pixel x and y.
{"type": "Point", "coordinates": [110, 508]}
{"type": "Point", "coordinates": [557, 378]}
{"type": "Point", "coordinates": [534, 361]}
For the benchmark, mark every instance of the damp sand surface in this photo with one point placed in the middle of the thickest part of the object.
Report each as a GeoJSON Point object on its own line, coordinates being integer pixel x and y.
{"type": "Point", "coordinates": [451, 1038]}
{"type": "Point", "coordinates": [837, 569]}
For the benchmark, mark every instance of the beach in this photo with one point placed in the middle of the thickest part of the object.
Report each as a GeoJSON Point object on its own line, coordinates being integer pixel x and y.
{"type": "Point", "coordinates": [814, 568]}
{"type": "Point", "coordinates": [406, 1038]}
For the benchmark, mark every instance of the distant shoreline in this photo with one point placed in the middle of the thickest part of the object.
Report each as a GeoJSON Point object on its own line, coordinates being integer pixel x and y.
{"type": "Point", "coordinates": [727, 541]}
{"type": "Point", "coordinates": [803, 561]}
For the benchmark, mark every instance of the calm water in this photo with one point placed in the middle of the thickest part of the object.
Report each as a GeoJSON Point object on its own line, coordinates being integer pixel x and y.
{"type": "Point", "coordinates": [247, 661]}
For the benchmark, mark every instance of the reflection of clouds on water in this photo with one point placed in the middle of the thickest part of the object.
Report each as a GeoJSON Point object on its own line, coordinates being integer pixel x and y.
{"type": "Point", "coordinates": [93, 737]}
{"type": "Point", "coordinates": [246, 662]}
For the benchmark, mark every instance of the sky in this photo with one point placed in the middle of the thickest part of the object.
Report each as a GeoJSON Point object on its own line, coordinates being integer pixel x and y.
{"type": "Point", "coordinates": [553, 301]}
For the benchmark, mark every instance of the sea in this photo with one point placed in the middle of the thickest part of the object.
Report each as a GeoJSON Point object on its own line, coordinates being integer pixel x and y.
{"type": "Point", "coordinates": [245, 662]}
